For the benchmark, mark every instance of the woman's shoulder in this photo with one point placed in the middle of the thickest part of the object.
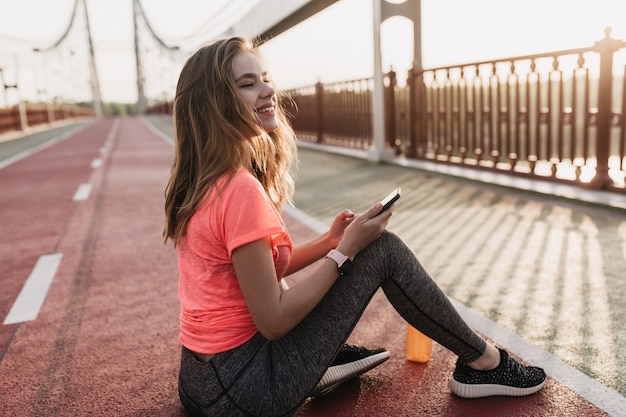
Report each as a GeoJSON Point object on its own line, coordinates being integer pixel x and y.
{"type": "Point", "coordinates": [244, 176]}
{"type": "Point", "coordinates": [242, 180]}
{"type": "Point", "coordinates": [233, 191]}
{"type": "Point", "coordinates": [238, 186]}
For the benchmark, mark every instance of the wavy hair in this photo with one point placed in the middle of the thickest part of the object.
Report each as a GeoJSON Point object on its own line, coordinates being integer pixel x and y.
{"type": "Point", "coordinates": [216, 132]}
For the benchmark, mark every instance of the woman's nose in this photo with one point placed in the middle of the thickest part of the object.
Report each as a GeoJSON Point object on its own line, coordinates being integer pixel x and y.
{"type": "Point", "coordinates": [268, 91]}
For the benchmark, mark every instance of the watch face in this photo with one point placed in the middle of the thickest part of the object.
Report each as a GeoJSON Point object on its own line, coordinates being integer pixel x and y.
{"type": "Point", "coordinates": [346, 267]}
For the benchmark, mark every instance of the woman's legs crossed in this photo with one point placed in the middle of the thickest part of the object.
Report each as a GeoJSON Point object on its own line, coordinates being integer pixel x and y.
{"type": "Point", "coordinates": [306, 352]}
{"type": "Point", "coordinates": [275, 377]}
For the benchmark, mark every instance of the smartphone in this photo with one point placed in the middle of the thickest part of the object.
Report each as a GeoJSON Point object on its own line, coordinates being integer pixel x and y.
{"type": "Point", "coordinates": [390, 199]}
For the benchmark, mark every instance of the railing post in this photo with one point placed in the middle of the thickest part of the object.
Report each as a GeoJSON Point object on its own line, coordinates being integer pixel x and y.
{"type": "Point", "coordinates": [417, 132]}
{"type": "Point", "coordinates": [606, 48]}
{"type": "Point", "coordinates": [50, 110]}
{"type": "Point", "coordinates": [319, 108]}
{"type": "Point", "coordinates": [23, 112]}
{"type": "Point", "coordinates": [410, 85]}
{"type": "Point", "coordinates": [17, 123]}
{"type": "Point", "coordinates": [414, 109]}
{"type": "Point", "coordinates": [390, 109]}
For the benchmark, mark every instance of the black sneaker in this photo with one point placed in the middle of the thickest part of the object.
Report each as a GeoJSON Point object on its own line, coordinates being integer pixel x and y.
{"type": "Point", "coordinates": [349, 363]}
{"type": "Point", "coordinates": [510, 378]}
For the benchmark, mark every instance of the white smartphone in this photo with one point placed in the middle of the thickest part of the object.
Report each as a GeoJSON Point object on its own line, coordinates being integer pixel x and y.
{"type": "Point", "coordinates": [390, 199]}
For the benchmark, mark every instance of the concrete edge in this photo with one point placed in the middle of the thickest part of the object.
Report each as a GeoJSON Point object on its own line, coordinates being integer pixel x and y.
{"type": "Point", "coordinates": [31, 130]}
{"type": "Point", "coordinates": [569, 192]}
{"type": "Point", "coordinates": [588, 388]}
{"type": "Point", "coordinates": [156, 131]}
{"type": "Point", "coordinates": [48, 143]}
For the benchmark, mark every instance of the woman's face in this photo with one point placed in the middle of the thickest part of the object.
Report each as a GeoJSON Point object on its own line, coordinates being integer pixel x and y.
{"type": "Point", "coordinates": [255, 86]}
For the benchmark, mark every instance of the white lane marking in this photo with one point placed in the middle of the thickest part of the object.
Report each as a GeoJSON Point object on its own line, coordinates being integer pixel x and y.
{"type": "Point", "coordinates": [28, 303]}
{"type": "Point", "coordinates": [96, 163]}
{"type": "Point", "coordinates": [588, 388]}
{"type": "Point", "coordinates": [82, 193]}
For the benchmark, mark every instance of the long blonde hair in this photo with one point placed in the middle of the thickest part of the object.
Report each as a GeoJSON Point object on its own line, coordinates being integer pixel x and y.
{"type": "Point", "coordinates": [216, 132]}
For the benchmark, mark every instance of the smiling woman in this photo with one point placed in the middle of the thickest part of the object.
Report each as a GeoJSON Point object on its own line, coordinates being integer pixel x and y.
{"type": "Point", "coordinates": [255, 87]}
{"type": "Point", "coordinates": [241, 330]}
{"type": "Point", "coordinates": [326, 47]}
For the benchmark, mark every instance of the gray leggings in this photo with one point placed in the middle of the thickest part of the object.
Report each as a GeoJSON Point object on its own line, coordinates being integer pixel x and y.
{"type": "Point", "coordinates": [263, 378]}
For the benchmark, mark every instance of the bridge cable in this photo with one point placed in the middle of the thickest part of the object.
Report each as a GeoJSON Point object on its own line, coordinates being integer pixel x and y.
{"type": "Point", "coordinates": [64, 35]}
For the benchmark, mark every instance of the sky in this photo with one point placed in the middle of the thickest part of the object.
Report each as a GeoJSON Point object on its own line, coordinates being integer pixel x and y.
{"type": "Point", "coordinates": [335, 45]}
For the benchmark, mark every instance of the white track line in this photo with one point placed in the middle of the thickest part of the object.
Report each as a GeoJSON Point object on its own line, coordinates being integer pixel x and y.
{"type": "Point", "coordinates": [82, 192]}
{"type": "Point", "coordinates": [588, 388]}
{"type": "Point", "coordinates": [28, 303]}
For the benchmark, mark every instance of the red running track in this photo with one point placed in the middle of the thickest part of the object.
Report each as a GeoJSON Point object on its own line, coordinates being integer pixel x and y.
{"type": "Point", "coordinates": [105, 340]}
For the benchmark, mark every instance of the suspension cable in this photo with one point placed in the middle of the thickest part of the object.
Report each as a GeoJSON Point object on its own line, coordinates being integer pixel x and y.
{"type": "Point", "coordinates": [151, 30]}
{"type": "Point", "coordinates": [64, 35]}
{"type": "Point", "coordinates": [229, 8]}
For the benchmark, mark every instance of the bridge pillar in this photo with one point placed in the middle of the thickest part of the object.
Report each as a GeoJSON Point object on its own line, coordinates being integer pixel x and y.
{"type": "Point", "coordinates": [383, 10]}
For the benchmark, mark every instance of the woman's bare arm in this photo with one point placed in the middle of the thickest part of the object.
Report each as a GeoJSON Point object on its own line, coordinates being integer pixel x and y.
{"type": "Point", "coordinates": [274, 312]}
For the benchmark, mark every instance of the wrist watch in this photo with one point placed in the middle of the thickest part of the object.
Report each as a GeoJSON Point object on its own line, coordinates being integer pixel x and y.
{"type": "Point", "coordinates": [344, 264]}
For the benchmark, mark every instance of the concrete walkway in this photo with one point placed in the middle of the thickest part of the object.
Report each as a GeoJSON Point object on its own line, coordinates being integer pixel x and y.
{"type": "Point", "coordinates": [539, 274]}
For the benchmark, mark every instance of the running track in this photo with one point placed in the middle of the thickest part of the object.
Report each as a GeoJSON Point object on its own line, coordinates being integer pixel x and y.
{"type": "Point", "coordinates": [82, 218]}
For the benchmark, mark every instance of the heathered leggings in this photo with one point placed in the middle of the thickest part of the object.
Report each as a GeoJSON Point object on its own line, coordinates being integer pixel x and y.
{"type": "Point", "coordinates": [263, 378]}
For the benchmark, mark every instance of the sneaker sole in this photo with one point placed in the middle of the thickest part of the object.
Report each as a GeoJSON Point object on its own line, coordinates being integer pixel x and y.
{"type": "Point", "coordinates": [339, 374]}
{"type": "Point", "coordinates": [490, 390]}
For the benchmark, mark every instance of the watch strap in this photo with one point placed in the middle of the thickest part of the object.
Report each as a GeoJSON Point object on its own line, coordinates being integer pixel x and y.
{"type": "Point", "coordinates": [344, 264]}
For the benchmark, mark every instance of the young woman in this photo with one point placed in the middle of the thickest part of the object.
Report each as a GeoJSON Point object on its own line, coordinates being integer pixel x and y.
{"type": "Point", "coordinates": [248, 347]}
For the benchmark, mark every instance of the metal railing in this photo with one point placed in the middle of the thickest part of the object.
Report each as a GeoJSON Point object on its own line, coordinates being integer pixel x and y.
{"type": "Point", "coordinates": [339, 113]}
{"type": "Point", "coordinates": [556, 116]}
{"type": "Point", "coordinates": [22, 116]}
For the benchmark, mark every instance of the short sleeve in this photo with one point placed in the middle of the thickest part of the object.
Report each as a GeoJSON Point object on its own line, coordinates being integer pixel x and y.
{"type": "Point", "coordinates": [248, 214]}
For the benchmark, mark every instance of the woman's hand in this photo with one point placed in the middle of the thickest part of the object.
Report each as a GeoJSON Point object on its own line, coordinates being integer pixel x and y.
{"type": "Point", "coordinates": [274, 312]}
{"type": "Point", "coordinates": [363, 229]}
{"type": "Point", "coordinates": [343, 220]}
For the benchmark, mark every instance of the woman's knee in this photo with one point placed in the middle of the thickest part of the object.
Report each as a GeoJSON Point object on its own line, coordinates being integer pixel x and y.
{"type": "Point", "coordinates": [389, 245]}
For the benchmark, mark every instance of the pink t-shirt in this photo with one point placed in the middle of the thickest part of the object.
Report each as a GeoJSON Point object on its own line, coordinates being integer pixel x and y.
{"type": "Point", "coordinates": [214, 316]}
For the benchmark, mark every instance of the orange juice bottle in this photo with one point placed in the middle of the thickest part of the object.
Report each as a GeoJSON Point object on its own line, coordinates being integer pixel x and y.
{"type": "Point", "coordinates": [418, 345]}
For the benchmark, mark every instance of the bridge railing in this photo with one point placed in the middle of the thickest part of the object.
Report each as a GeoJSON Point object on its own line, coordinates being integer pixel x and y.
{"type": "Point", "coordinates": [338, 113]}
{"type": "Point", "coordinates": [22, 116]}
{"type": "Point", "coordinates": [163, 107]}
{"type": "Point", "coordinates": [555, 116]}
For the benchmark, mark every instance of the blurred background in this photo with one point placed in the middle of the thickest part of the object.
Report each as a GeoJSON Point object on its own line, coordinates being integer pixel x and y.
{"type": "Point", "coordinates": [44, 52]}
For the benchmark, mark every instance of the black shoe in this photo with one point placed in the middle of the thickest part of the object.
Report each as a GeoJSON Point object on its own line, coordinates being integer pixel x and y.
{"type": "Point", "coordinates": [510, 378]}
{"type": "Point", "coordinates": [349, 363]}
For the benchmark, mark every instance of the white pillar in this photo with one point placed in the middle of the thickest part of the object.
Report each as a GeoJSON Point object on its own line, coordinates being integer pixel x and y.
{"type": "Point", "coordinates": [382, 10]}
{"type": "Point", "coordinates": [377, 151]}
